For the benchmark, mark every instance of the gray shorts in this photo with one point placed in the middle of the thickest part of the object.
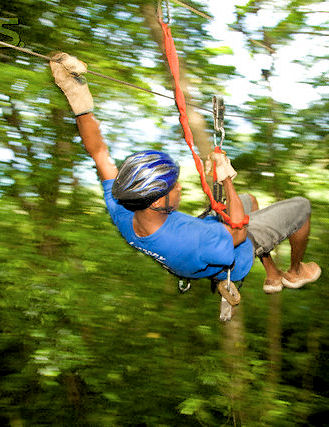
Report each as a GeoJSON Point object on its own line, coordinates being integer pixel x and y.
{"type": "Point", "coordinates": [270, 226]}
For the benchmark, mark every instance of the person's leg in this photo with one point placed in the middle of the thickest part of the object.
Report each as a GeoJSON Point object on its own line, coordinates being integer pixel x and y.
{"type": "Point", "coordinates": [272, 271]}
{"type": "Point", "coordinates": [298, 242]}
{"type": "Point", "coordinates": [268, 227]}
{"type": "Point", "coordinates": [273, 280]}
{"type": "Point", "coordinates": [273, 274]}
{"type": "Point", "coordinates": [254, 203]}
{"type": "Point", "coordinates": [299, 273]}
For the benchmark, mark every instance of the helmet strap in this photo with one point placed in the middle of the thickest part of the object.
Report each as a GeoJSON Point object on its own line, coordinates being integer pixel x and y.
{"type": "Point", "coordinates": [167, 209]}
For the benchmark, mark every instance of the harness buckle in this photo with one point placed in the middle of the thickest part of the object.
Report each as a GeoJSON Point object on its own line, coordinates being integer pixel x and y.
{"type": "Point", "coordinates": [184, 285]}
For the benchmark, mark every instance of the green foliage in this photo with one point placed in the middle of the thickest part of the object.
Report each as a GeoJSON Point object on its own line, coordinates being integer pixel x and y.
{"type": "Point", "coordinates": [95, 334]}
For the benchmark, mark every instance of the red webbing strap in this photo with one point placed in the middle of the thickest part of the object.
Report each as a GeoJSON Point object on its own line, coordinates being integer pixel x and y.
{"type": "Point", "coordinates": [173, 62]}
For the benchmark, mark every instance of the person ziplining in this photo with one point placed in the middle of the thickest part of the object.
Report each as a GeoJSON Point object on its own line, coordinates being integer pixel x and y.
{"type": "Point", "coordinates": [143, 197]}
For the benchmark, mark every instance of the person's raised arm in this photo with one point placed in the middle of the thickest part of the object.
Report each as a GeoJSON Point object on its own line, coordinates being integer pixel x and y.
{"type": "Point", "coordinates": [67, 71]}
{"type": "Point", "coordinates": [225, 175]}
{"type": "Point", "coordinates": [93, 141]}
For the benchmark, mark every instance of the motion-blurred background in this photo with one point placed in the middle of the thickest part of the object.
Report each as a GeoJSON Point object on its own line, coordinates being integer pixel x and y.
{"type": "Point", "coordinates": [95, 334]}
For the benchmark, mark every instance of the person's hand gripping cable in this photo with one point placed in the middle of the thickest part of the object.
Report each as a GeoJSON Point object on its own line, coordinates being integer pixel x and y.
{"type": "Point", "coordinates": [219, 166]}
{"type": "Point", "coordinates": [68, 73]}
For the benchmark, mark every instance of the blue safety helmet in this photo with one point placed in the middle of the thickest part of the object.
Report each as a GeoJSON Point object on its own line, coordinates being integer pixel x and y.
{"type": "Point", "coordinates": [143, 178]}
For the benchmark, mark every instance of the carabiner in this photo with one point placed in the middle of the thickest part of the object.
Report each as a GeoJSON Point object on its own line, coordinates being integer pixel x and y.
{"type": "Point", "coordinates": [182, 287]}
{"type": "Point", "coordinates": [222, 137]}
{"type": "Point", "coordinates": [218, 112]}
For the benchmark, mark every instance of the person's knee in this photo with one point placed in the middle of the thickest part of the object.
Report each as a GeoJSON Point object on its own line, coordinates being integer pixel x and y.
{"type": "Point", "coordinates": [304, 210]}
{"type": "Point", "coordinates": [308, 206]}
{"type": "Point", "coordinates": [254, 203]}
{"type": "Point", "coordinates": [304, 205]}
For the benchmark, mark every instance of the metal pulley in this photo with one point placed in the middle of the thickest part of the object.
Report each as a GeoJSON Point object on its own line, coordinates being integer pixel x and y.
{"type": "Point", "coordinates": [218, 112]}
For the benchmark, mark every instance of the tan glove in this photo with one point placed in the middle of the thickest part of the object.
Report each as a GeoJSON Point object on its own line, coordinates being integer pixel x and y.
{"type": "Point", "coordinates": [67, 72]}
{"type": "Point", "coordinates": [224, 168]}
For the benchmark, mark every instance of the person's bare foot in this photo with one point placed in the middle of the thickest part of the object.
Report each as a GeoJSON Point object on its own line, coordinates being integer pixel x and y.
{"type": "Point", "coordinates": [272, 286]}
{"type": "Point", "coordinates": [308, 273]}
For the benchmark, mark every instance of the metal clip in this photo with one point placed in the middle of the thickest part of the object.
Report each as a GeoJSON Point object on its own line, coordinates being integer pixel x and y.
{"type": "Point", "coordinates": [184, 287]}
{"type": "Point", "coordinates": [218, 112]}
{"type": "Point", "coordinates": [229, 279]}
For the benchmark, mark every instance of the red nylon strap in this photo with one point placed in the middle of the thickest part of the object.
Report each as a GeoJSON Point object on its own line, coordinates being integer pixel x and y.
{"type": "Point", "coordinates": [173, 62]}
{"type": "Point", "coordinates": [214, 172]}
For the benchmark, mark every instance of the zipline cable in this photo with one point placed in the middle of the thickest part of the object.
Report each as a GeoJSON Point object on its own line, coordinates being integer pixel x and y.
{"type": "Point", "coordinates": [95, 73]}
{"type": "Point", "coordinates": [192, 9]}
{"type": "Point", "coordinates": [231, 27]}
{"type": "Point", "coordinates": [122, 82]}
{"type": "Point", "coordinates": [210, 18]}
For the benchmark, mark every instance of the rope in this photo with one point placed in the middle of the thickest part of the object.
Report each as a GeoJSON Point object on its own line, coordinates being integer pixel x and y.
{"type": "Point", "coordinates": [22, 49]}
{"type": "Point", "coordinates": [122, 82]}
{"type": "Point", "coordinates": [173, 62]}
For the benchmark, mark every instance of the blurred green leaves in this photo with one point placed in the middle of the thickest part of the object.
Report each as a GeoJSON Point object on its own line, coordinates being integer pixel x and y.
{"type": "Point", "coordinates": [93, 333]}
